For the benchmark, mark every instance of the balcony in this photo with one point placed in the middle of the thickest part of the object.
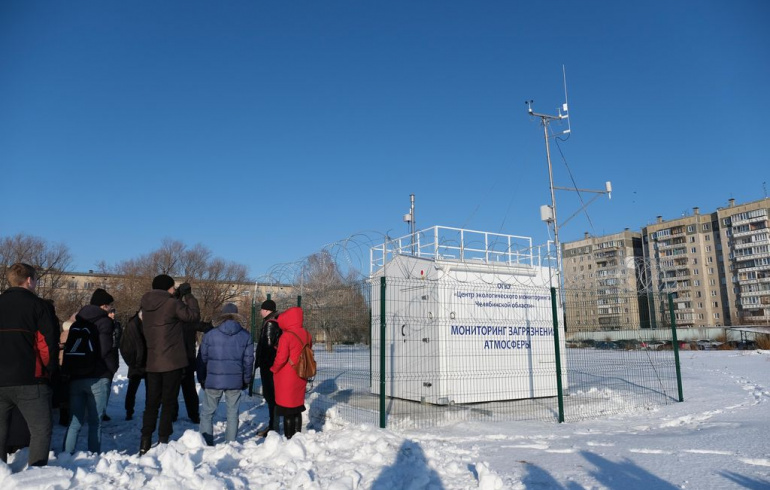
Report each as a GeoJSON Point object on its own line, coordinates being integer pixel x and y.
{"type": "Point", "coordinates": [754, 219]}
{"type": "Point", "coordinates": [753, 231]}
{"type": "Point", "coordinates": [756, 255]}
{"type": "Point", "coordinates": [754, 315]}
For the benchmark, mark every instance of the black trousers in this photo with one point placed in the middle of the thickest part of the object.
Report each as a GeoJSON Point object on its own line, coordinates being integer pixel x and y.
{"type": "Point", "coordinates": [190, 392]}
{"type": "Point", "coordinates": [133, 387]}
{"type": "Point", "coordinates": [162, 390]}
{"type": "Point", "coordinates": [268, 391]}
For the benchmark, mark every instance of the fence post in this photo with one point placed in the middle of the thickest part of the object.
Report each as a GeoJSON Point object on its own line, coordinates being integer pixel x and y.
{"type": "Point", "coordinates": [299, 300]}
{"type": "Point", "coordinates": [383, 416]}
{"type": "Point", "coordinates": [675, 343]}
{"type": "Point", "coordinates": [253, 335]}
{"type": "Point", "coordinates": [557, 350]}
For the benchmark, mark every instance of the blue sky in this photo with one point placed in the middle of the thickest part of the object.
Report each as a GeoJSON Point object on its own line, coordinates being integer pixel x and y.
{"type": "Point", "coordinates": [266, 130]}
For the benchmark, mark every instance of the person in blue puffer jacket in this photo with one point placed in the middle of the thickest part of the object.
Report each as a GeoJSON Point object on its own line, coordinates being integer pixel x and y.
{"type": "Point", "coordinates": [225, 367]}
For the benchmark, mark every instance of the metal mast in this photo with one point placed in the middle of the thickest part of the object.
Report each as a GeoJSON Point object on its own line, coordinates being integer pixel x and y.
{"type": "Point", "coordinates": [548, 213]}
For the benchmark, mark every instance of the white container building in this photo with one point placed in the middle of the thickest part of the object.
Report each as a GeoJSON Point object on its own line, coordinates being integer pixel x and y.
{"type": "Point", "coordinates": [469, 317]}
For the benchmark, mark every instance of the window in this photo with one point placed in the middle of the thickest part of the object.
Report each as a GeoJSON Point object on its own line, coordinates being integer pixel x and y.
{"type": "Point", "coordinates": [716, 304]}
{"type": "Point", "coordinates": [713, 293]}
{"type": "Point", "coordinates": [690, 228]}
{"type": "Point", "coordinates": [693, 250]}
{"type": "Point", "coordinates": [708, 248]}
{"type": "Point", "coordinates": [708, 238]}
{"type": "Point", "coordinates": [716, 316]}
{"type": "Point", "coordinates": [711, 270]}
{"type": "Point", "coordinates": [695, 271]}
{"type": "Point", "coordinates": [710, 260]}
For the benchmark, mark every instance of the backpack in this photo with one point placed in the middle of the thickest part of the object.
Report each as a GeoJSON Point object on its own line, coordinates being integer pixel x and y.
{"type": "Point", "coordinates": [132, 345]}
{"type": "Point", "coordinates": [82, 349]}
{"type": "Point", "coordinates": [305, 366]}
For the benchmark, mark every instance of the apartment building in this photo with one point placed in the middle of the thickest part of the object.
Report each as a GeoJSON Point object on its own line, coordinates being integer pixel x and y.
{"type": "Point", "coordinates": [744, 228]}
{"type": "Point", "coordinates": [684, 257]}
{"type": "Point", "coordinates": [601, 282]}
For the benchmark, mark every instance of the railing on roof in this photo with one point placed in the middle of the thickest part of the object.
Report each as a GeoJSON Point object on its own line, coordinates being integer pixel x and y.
{"type": "Point", "coordinates": [442, 243]}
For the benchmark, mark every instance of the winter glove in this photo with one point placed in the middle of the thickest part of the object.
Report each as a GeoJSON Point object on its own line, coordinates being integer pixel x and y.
{"type": "Point", "coordinates": [184, 289]}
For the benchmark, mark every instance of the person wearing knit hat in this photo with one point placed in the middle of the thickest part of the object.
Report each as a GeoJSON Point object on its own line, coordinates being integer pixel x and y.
{"type": "Point", "coordinates": [163, 281]}
{"type": "Point", "coordinates": [164, 316]}
{"type": "Point", "coordinates": [266, 349]}
{"type": "Point", "coordinates": [268, 305]}
{"type": "Point", "coordinates": [89, 387]}
{"type": "Point", "coordinates": [101, 298]}
{"type": "Point", "coordinates": [225, 368]}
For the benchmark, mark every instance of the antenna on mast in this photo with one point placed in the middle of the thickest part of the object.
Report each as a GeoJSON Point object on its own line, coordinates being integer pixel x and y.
{"type": "Point", "coordinates": [565, 106]}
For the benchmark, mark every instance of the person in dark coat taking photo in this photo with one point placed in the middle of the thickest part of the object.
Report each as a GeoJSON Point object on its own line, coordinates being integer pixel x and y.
{"type": "Point", "coordinates": [163, 320]}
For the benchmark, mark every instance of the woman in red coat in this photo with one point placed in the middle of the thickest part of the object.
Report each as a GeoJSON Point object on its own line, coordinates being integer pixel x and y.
{"type": "Point", "coordinates": [290, 388]}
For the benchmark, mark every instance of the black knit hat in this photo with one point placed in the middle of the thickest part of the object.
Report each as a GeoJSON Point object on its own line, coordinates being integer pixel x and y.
{"type": "Point", "coordinates": [268, 305]}
{"type": "Point", "coordinates": [163, 282]}
{"type": "Point", "coordinates": [101, 297]}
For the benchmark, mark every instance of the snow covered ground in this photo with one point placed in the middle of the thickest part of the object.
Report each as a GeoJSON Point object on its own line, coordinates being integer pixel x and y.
{"type": "Point", "coordinates": [718, 438]}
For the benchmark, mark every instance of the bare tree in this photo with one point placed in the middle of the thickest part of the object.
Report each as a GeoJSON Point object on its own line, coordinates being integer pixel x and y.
{"type": "Point", "coordinates": [334, 304]}
{"type": "Point", "coordinates": [51, 260]}
{"type": "Point", "coordinates": [214, 280]}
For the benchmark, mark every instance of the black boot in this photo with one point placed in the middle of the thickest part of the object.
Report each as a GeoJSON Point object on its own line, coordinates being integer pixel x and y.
{"type": "Point", "coordinates": [145, 445]}
{"type": "Point", "coordinates": [298, 423]}
{"type": "Point", "coordinates": [288, 426]}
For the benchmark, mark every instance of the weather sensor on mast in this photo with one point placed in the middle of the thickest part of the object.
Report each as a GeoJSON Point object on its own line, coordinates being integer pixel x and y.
{"type": "Point", "coordinates": [548, 213]}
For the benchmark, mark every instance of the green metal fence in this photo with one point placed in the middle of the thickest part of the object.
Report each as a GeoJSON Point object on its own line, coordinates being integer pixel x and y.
{"type": "Point", "coordinates": [415, 353]}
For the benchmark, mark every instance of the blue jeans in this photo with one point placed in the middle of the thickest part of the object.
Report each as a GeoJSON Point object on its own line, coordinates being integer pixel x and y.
{"type": "Point", "coordinates": [34, 402]}
{"type": "Point", "coordinates": [87, 396]}
{"type": "Point", "coordinates": [210, 401]}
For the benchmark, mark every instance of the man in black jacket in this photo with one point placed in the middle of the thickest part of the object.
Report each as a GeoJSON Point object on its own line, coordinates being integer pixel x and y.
{"type": "Point", "coordinates": [163, 318]}
{"type": "Point", "coordinates": [133, 348]}
{"type": "Point", "coordinates": [266, 349]}
{"type": "Point", "coordinates": [90, 386]}
{"type": "Point", "coordinates": [29, 345]}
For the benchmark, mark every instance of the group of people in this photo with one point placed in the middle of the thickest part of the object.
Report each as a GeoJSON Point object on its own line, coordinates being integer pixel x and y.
{"type": "Point", "coordinates": [158, 345]}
